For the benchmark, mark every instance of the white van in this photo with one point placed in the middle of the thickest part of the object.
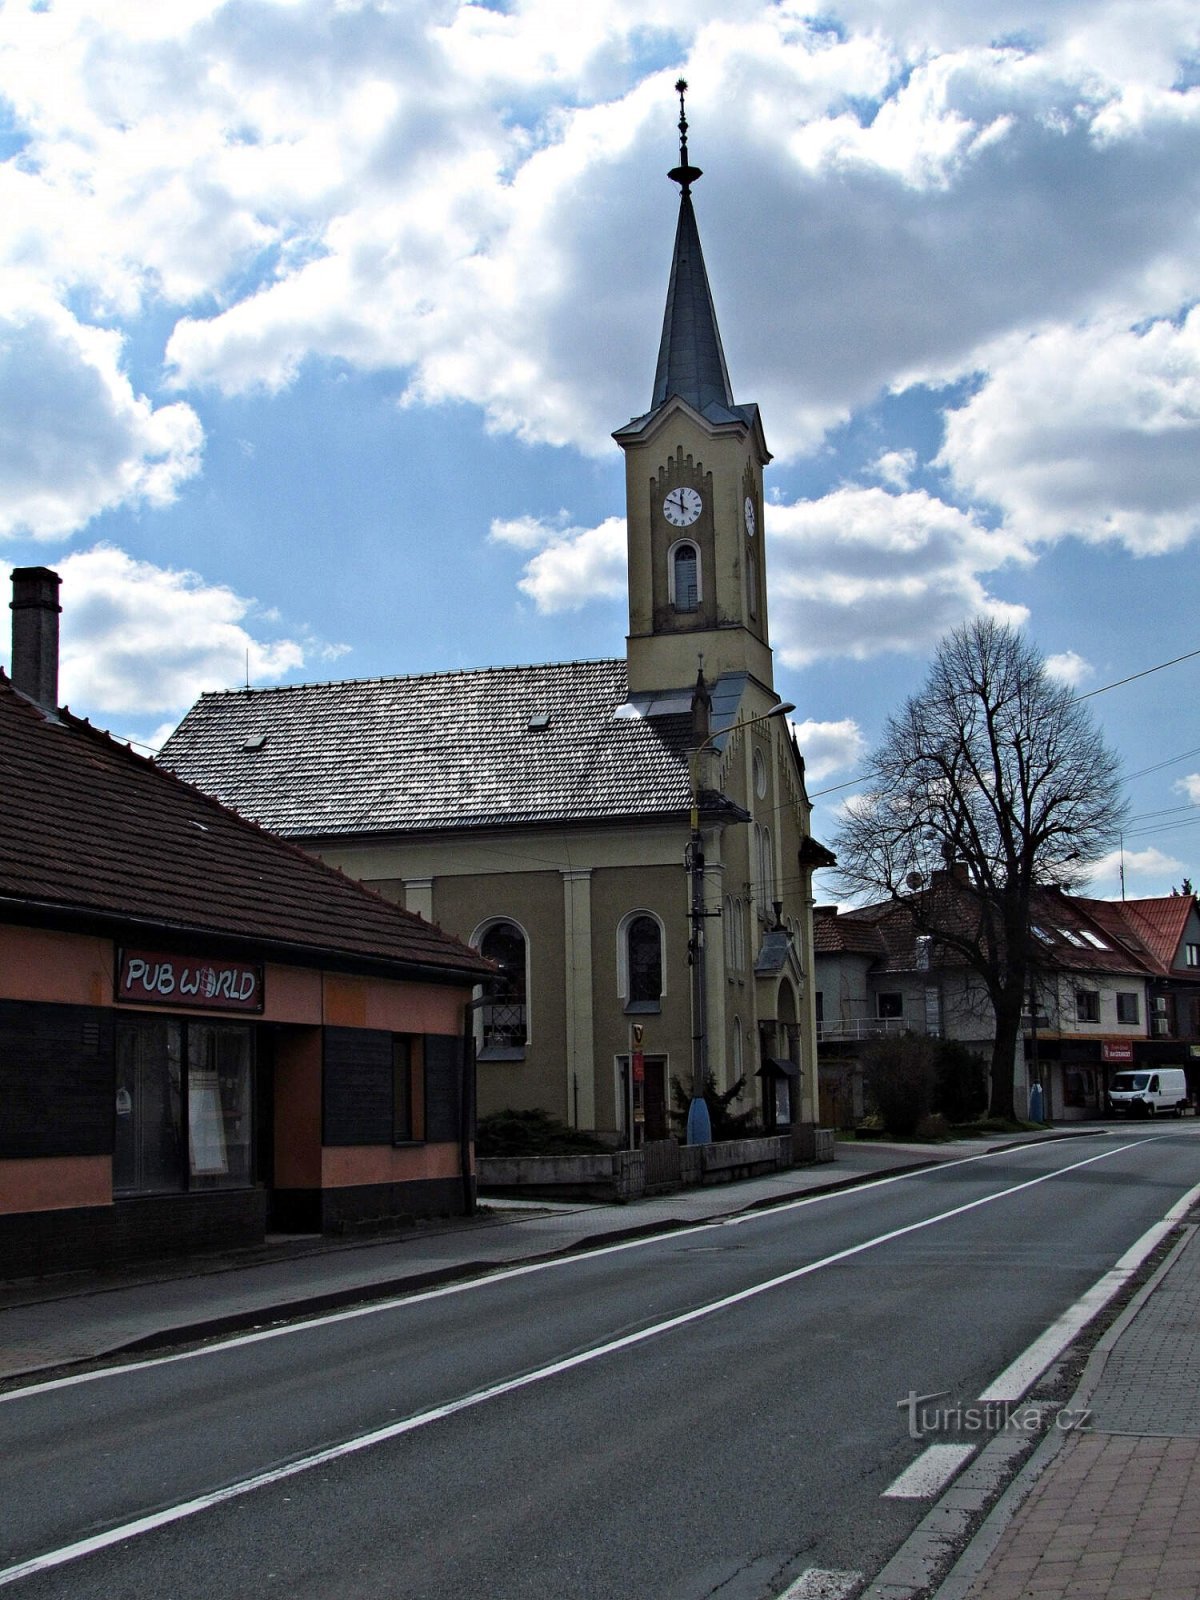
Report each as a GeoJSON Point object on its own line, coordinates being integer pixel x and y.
{"type": "Point", "coordinates": [1141, 1094]}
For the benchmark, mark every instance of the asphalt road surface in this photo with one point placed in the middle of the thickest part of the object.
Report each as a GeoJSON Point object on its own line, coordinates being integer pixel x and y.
{"type": "Point", "coordinates": [708, 1413]}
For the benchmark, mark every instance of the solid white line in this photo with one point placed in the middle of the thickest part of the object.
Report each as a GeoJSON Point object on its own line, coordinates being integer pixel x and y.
{"type": "Point", "coordinates": [930, 1472]}
{"type": "Point", "coordinates": [1016, 1379]}
{"type": "Point", "coordinates": [470, 1285]}
{"type": "Point", "coordinates": [394, 1430]}
{"type": "Point", "coordinates": [820, 1584]}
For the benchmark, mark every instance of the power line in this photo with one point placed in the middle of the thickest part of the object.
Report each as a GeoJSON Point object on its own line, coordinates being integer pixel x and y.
{"type": "Point", "coordinates": [1134, 676]}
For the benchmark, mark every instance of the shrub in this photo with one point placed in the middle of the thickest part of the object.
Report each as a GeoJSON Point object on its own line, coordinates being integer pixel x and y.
{"type": "Point", "coordinates": [531, 1133]}
{"type": "Point", "coordinates": [726, 1124]}
{"type": "Point", "coordinates": [899, 1075]}
{"type": "Point", "coordinates": [960, 1092]}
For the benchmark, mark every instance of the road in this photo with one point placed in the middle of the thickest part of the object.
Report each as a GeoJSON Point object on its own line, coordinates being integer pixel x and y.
{"type": "Point", "coordinates": [711, 1412]}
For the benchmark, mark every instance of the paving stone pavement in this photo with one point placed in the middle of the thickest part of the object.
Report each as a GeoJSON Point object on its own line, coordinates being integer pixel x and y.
{"type": "Point", "coordinates": [1115, 1514]}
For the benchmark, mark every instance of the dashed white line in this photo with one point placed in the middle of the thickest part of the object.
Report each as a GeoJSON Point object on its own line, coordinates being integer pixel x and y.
{"type": "Point", "coordinates": [818, 1583]}
{"type": "Point", "coordinates": [930, 1472]}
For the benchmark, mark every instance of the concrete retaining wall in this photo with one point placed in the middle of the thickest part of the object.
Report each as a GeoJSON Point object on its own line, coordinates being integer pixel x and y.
{"type": "Point", "coordinates": [622, 1175]}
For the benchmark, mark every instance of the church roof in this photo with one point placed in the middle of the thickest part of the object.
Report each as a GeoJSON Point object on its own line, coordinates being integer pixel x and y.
{"type": "Point", "coordinates": [96, 835]}
{"type": "Point", "coordinates": [691, 359]}
{"type": "Point", "coordinates": [493, 747]}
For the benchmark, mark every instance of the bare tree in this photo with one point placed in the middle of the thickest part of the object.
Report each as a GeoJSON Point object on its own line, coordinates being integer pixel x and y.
{"type": "Point", "coordinates": [991, 780]}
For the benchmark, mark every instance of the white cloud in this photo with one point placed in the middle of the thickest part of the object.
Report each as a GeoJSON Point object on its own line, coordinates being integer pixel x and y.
{"type": "Point", "coordinates": [894, 467]}
{"type": "Point", "coordinates": [1189, 786]}
{"type": "Point", "coordinates": [1147, 872]}
{"type": "Point", "coordinates": [140, 640]}
{"type": "Point", "coordinates": [572, 566]}
{"type": "Point", "coordinates": [1070, 668]}
{"type": "Point", "coordinates": [75, 439]}
{"type": "Point", "coordinates": [1092, 430]}
{"type": "Point", "coordinates": [928, 192]}
{"type": "Point", "coordinates": [859, 572]}
{"type": "Point", "coordinates": [829, 746]}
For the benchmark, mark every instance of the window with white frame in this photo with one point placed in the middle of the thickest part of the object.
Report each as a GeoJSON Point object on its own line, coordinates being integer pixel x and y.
{"type": "Point", "coordinates": [504, 1016]}
{"type": "Point", "coordinates": [684, 576]}
{"type": "Point", "coordinates": [640, 961]}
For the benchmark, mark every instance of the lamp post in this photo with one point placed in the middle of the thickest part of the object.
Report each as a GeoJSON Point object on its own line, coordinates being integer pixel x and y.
{"type": "Point", "coordinates": [699, 1124]}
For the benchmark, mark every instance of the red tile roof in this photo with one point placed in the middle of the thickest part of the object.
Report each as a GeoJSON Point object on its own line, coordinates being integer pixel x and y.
{"type": "Point", "coordinates": [1161, 924]}
{"type": "Point", "coordinates": [92, 829]}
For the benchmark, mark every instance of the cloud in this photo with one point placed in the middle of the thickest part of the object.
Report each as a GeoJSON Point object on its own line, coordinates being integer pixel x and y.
{"type": "Point", "coordinates": [572, 566]}
{"type": "Point", "coordinates": [1070, 668]}
{"type": "Point", "coordinates": [829, 746]}
{"type": "Point", "coordinates": [1092, 431]}
{"type": "Point", "coordinates": [860, 572]}
{"type": "Point", "coordinates": [1189, 786]}
{"type": "Point", "coordinates": [924, 194]}
{"type": "Point", "coordinates": [1150, 864]}
{"type": "Point", "coordinates": [142, 640]}
{"type": "Point", "coordinates": [894, 467]}
{"type": "Point", "coordinates": [75, 439]}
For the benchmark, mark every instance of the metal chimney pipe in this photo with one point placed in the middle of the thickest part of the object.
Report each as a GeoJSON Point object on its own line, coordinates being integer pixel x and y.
{"type": "Point", "coordinates": [35, 610]}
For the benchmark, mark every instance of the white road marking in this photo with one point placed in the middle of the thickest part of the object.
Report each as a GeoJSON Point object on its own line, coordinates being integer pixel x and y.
{"type": "Point", "coordinates": [819, 1584]}
{"type": "Point", "coordinates": [1020, 1376]}
{"type": "Point", "coordinates": [930, 1472]}
{"type": "Point", "coordinates": [188, 1508]}
{"type": "Point", "coordinates": [503, 1274]}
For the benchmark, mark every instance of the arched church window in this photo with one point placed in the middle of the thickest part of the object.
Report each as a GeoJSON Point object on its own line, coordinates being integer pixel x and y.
{"type": "Point", "coordinates": [685, 576]}
{"type": "Point", "coordinates": [505, 1015]}
{"type": "Point", "coordinates": [643, 962]}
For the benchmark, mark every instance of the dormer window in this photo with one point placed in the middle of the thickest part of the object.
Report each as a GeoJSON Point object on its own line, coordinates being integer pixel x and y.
{"type": "Point", "coordinates": [684, 560]}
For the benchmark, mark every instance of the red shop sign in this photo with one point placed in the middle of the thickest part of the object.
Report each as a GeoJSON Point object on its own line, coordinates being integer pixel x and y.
{"type": "Point", "coordinates": [1116, 1049]}
{"type": "Point", "coordinates": [157, 977]}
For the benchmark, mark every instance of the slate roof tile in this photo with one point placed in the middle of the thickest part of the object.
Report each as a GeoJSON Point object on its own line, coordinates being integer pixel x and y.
{"type": "Point", "coordinates": [91, 827]}
{"type": "Point", "coordinates": [435, 752]}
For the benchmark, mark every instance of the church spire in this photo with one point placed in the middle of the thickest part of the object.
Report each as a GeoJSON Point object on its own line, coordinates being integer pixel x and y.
{"type": "Point", "coordinates": [691, 361]}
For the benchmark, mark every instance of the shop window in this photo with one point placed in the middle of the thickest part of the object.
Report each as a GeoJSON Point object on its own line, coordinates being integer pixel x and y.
{"type": "Point", "coordinates": [1128, 1009]}
{"type": "Point", "coordinates": [1087, 1005]}
{"type": "Point", "coordinates": [504, 1017]}
{"type": "Point", "coordinates": [167, 1140]}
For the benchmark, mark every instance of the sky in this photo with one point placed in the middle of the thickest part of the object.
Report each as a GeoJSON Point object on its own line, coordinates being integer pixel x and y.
{"type": "Point", "coordinates": [317, 316]}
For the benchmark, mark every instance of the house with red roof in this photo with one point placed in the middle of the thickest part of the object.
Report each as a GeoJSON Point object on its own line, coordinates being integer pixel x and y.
{"type": "Point", "coordinates": [205, 1032]}
{"type": "Point", "coordinates": [1113, 984]}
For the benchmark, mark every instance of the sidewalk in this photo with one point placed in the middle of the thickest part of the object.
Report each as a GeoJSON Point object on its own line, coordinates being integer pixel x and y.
{"type": "Point", "coordinates": [1112, 1513]}
{"type": "Point", "coordinates": [54, 1322]}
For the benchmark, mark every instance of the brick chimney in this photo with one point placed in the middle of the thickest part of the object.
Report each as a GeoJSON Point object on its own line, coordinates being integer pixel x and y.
{"type": "Point", "coordinates": [35, 610]}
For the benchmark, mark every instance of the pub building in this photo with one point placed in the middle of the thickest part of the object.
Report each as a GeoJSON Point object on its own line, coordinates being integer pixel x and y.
{"type": "Point", "coordinates": [205, 1033]}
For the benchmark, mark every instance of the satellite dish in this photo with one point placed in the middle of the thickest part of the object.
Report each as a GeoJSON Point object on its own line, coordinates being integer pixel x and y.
{"type": "Point", "coordinates": [914, 880]}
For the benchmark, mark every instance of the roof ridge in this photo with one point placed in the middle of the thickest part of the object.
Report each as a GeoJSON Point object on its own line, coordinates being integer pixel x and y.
{"type": "Point", "coordinates": [411, 677]}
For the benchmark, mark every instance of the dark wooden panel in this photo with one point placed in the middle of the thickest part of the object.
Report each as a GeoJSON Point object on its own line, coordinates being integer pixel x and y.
{"type": "Point", "coordinates": [56, 1080]}
{"type": "Point", "coordinates": [357, 1087]}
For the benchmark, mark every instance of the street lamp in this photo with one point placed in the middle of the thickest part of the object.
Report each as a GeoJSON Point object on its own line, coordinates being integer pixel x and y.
{"type": "Point", "coordinates": [699, 1124]}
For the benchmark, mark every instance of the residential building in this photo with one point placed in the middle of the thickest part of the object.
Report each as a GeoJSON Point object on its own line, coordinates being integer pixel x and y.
{"type": "Point", "coordinates": [542, 813]}
{"type": "Point", "coordinates": [204, 1032]}
{"type": "Point", "coordinates": [1110, 985]}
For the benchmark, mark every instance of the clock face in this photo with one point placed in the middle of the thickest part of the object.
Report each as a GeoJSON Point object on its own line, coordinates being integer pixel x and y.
{"type": "Point", "coordinates": [682, 507]}
{"type": "Point", "coordinates": [750, 524]}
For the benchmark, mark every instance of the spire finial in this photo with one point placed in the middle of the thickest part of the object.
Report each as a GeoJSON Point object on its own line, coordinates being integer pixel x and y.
{"type": "Point", "coordinates": [684, 175]}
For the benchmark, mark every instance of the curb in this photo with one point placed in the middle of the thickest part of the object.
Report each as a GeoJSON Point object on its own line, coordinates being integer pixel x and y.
{"type": "Point", "coordinates": [958, 1581]}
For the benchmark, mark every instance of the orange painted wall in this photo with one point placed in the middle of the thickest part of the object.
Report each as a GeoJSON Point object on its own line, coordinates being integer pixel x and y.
{"type": "Point", "coordinates": [55, 1183]}
{"type": "Point", "coordinates": [60, 968]}
{"type": "Point", "coordinates": [347, 1165]}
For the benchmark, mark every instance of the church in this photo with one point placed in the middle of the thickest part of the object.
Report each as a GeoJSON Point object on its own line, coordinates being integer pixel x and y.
{"type": "Point", "coordinates": [628, 839]}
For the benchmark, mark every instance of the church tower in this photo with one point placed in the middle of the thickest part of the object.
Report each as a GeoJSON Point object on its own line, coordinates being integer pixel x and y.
{"type": "Point", "coordinates": [693, 492]}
